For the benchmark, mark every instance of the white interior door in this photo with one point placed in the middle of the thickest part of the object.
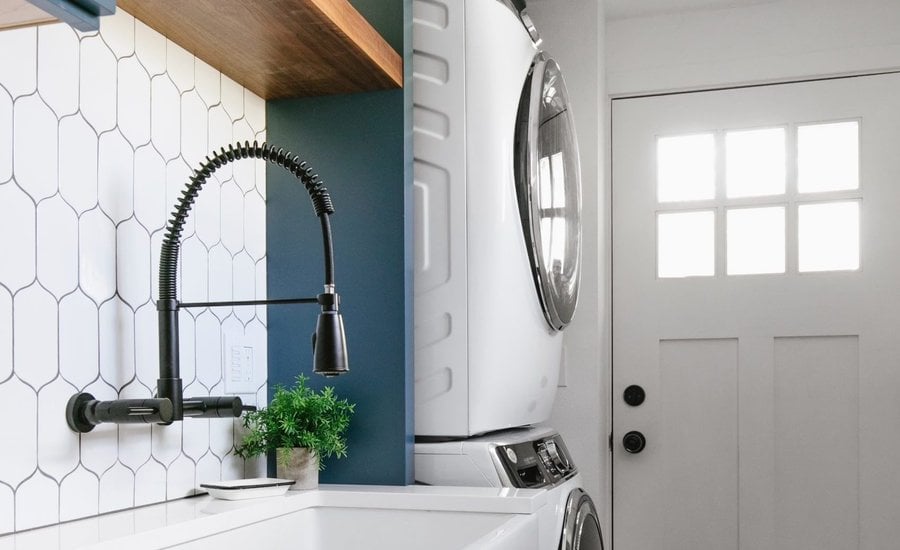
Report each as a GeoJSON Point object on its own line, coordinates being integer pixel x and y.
{"type": "Point", "coordinates": [756, 300]}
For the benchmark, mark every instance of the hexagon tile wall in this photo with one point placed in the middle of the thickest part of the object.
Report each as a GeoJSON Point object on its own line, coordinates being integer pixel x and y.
{"type": "Point", "coordinates": [98, 132]}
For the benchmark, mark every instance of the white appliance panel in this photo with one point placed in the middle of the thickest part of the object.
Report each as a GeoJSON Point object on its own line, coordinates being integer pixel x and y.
{"type": "Point", "coordinates": [485, 357]}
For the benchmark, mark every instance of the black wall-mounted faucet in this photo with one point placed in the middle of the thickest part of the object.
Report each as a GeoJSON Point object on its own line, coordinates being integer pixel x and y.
{"type": "Point", "coordinates": [83, 412]}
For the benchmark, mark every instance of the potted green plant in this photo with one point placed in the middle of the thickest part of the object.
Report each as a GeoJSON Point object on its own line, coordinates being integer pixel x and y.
{"type": "Point", "coordinates": [301, 426]}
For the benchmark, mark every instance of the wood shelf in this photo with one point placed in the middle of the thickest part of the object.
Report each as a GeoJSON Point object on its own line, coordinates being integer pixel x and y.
{"type": "Point", "coordinates": [279, 48]}
{"type": "Point", "coordinates": [19, 13]}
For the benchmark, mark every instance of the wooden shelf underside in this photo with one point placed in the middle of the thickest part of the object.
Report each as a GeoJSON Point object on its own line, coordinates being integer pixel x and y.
{"type": "Point", "coordinates": [279, 48]}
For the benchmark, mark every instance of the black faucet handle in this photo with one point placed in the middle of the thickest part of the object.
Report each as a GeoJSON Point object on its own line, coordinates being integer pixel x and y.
{"type": "Point", "coordinates": [83, 412]}
{"type": "Point", "coordinates": [213, 406]}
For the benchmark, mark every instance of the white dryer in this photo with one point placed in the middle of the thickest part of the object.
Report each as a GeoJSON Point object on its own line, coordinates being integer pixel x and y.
{"type": "Point", "coordinates": [530, 458]}
{"type": "Point", "coordinates": [497, 218]}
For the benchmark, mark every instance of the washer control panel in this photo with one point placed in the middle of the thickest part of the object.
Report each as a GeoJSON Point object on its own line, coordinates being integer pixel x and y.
{"type": "Point", "coordinates": [538, 463]}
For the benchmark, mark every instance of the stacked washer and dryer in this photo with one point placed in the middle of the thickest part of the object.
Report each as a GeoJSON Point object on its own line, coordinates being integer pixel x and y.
{"type": "Point", "coordinates": [497, 257]}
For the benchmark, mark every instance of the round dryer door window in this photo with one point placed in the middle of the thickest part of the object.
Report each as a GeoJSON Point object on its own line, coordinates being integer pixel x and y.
{"type": "Point", "coordinates": [548, 187]}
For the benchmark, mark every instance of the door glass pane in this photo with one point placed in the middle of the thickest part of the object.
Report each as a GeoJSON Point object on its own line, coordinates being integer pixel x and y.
{"type": "Point", "coordinates": [828, 157]}
{"type": "Point", "coordinates": [686, 167]}
{"type": "Point", "coordinates": [686, 244]}
{"type": "Point", "coordinates": [754, 163]}
{"type": "Point", "coordinates": [829, 236]}
{"type": "Point", "coordinates": [755, 240]}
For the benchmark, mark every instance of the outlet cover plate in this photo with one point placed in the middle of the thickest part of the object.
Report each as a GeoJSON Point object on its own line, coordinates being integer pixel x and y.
{"type": "Point", "coordinates": [238, 365]}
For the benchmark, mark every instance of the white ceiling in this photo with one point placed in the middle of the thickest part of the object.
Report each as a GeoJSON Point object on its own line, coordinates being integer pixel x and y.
{"type": "Point", "coordinates": [622, 9]}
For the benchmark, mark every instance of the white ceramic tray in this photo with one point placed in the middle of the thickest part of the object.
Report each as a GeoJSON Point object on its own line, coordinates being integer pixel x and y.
{"type": "Point", "coordinates": [240, 489]}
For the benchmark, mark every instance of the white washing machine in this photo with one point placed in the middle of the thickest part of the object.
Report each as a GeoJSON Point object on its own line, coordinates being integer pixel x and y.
{"type": "Point", "coordinates": [529, 458]}
{"type": "Point", "coordinates": [497, 218]}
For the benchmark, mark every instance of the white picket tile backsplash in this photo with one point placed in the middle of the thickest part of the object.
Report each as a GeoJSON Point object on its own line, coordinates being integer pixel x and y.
{"type": "Point", "coordinates": [208, 82]}
{"type": "Point", "coordinates": [165, 111]}
{"type": "Point", "coordinates": [20, 402]}
{"type": "Point", "coordinates": [149, 196]}
{"type": "Point", "coordinates": [77, 163]}
{"type": "Point", "coordinates": [150, 483]}
{"type": "Point", "coordinates": [19, 72]}
{"type": "Point", "coordinates": [150, 48]}
{"type": "Point", "coordinates": [6, 135]}
{"type": "Point", "coordinates": [98, 84]}
{"type": "Point", "coordinates": [78, 343]}
{"type": "Point", "coordinates": [37, 502]}
{"type": "Point", "coordinates": [16, 219]}
{"type": "Point", "coordinates": [96, 257]}
{"type": "Point", "coordinates": [57, 63]}
{"type": "Point", "coordinates": [55, 439]}
{"type": "Point", "coordinates": [180, 477]}
{"type": "Point", "coordinates": [232, 98]}
{"type": "Point", "coordinates": [134, 101]}
{"type": "Point", "coordinates": [79, 495]}
{"type": "Point", "coordinates": [115, 176]}
{"type": "Point", "coordinates": [133, 274]}
{"type": "Point", "coordinates": [118, 33]}
{"type": "Point", "coordinates": [116, 343]}
{"type": "Point", "coordinates": [34, 331]}
{"type": "Point", "coordinates": [194, 126]}
{"type": "Point", "coordinates": [180, 66]}
{"type": "Point", "coordinates": [111, 483]}
{"type": "Point", "coordinates": [255, 112]}
{"type": "Point", "coordinates": [35, 147]}
{"type": "Point", "coordinates": [57, 246]}
{"type": "Point", "coordinates": [99, 133]}
{"type": "Point", "coordinates": [232, 201]}
{"type": "Point", "coordinates": [7, 509]}
{"type": "Point", "coordinates": [134, 439]}
{"type": "Point", "coordinates": [6, 334]}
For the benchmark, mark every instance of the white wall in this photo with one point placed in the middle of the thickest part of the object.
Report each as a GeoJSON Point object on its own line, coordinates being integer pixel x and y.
{"type": "Point", "coordinates": [573, 35]}
{"type": "Point", "coordinates": [777, 40]}
{"type": "Point", "coordinates": [97, 135]}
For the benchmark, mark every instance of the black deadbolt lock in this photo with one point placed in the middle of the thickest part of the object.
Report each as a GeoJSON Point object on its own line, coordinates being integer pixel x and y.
{"type": "Point", "coordinates": [634, 442]}
{"type": "Point", "coordinates": [634, 395]}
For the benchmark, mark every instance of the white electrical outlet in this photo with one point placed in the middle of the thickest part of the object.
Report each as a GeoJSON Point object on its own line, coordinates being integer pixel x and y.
{"type": "Point", "coordinates": [238, 365]}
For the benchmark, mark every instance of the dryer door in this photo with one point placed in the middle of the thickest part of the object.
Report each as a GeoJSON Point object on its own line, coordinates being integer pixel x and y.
{"type": "Point", "coordinates": [548, 187]}
{"type": "Point", "coordinates": [581, 528]}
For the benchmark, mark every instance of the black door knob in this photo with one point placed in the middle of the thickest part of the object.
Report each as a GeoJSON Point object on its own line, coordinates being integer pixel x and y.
{"type": "Point", "coordinates": [634, 395]}
{"type": "Point", "coordinates": [634, 442]}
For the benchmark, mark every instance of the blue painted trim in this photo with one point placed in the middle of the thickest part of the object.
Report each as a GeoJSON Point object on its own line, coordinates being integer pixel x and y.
{"type": "Point", "coordinates": [83, 15]}
{"type": "Point", "coordinates": [359, 145]}
{"type": "Point", "coordinates": [408, 236]}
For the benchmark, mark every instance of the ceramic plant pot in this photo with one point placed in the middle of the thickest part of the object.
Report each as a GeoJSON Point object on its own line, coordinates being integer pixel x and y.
{"type": "Point", "coordinates": [300, 464]}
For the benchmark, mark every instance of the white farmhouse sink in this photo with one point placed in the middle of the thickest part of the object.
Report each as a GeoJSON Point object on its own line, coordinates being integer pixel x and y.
{"type": "Point", "coordinates": [334, 517]}
{"type": "Point", "coordinates": [335, 528]}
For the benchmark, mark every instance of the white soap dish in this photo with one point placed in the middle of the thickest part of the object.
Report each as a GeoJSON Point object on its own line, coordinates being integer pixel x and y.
{"type": "Point", "coordinates": [239, 489]}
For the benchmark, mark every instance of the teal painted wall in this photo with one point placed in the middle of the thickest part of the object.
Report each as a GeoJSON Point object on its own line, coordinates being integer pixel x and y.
{"type": "Point", "coordinates": [361, 146]}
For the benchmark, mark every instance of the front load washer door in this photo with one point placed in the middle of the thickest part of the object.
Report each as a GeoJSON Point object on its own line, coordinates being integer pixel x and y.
{"type": "Point", "coordinates": [548, 188]}
{"type": "Point", "coordinates": [581, 528]}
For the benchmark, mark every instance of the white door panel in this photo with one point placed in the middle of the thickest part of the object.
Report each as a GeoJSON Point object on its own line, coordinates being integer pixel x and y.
{"type": "Point", "coordinates": [772, 416]}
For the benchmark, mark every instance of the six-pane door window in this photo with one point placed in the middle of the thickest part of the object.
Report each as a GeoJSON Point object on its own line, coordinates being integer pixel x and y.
{"type": "Point", "coordinates": [780, 199]}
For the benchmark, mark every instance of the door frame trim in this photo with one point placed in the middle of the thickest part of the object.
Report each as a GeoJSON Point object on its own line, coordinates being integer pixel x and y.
{"type": "Point", "coordinates": [776, 82]}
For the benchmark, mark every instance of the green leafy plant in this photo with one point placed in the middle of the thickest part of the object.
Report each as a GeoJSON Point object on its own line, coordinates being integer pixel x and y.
{"type": "Point", "coordinates": [298, 417]}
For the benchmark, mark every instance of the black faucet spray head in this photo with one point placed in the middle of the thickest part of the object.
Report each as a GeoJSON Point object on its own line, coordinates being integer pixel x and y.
{"type": "Point", "coordinates": [329, 340]}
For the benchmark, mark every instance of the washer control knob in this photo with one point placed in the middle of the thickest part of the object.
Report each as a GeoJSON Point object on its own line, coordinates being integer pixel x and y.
{"type": "Point", "coordinates": [634, 442]}
{"type": "Point", "coordinates": [557, 458]}
{"type": "Point", "coordinates": [511, 454]}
